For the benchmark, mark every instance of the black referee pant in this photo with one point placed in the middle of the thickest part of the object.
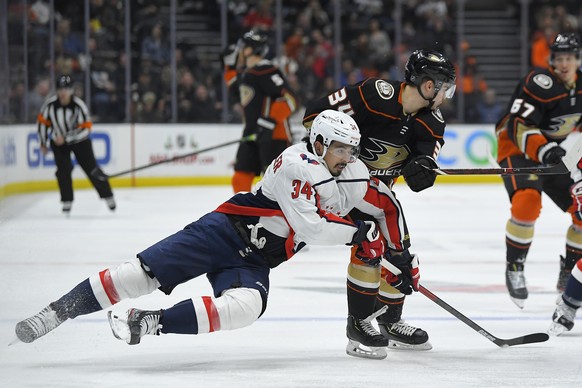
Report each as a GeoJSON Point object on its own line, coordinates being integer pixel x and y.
{"type": "Point", "coordinates": [86, 158]}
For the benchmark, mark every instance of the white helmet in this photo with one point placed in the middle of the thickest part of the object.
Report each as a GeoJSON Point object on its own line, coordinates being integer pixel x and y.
{"type": "Point", "coordinates": [333, 125]}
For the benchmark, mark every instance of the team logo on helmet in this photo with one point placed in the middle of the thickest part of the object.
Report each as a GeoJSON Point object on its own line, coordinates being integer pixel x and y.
{"type": "Point", "coordinates": [385, 90]}
{"type": "Point", "coordinates": [543, 81]}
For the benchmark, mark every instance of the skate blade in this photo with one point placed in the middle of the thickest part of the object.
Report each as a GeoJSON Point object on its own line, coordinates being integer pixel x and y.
{"type": "Point", "coordinates": [397, 345]}
{"type": "Point", "coordinates": [15, 340]}
{"type": "Point", "coordinates": [119, 328]}
{"type": "Point", "coordinates": [374, 353]}
{"type": "Point", "coordinates": [518, 302]}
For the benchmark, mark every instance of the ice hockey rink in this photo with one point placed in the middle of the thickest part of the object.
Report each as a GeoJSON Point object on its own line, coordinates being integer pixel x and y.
{"type": "Point", "coordinates": [457, 231]}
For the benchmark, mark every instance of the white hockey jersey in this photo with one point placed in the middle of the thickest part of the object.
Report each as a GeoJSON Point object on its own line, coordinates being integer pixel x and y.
{"type": "Point", "coordinates": [299, 202]}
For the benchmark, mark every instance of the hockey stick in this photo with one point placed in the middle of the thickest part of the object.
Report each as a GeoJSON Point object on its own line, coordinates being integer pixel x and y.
{"type": "Point", "coordinates": [98, 174]}
{"type": "Point", "coordinates": [526, 339]}
{"type": "Point", "coordinates": [568, 163]}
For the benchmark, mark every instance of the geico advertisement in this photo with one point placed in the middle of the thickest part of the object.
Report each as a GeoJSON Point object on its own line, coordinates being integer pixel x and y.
{"type": "Point", "coordinates": [119, 147]}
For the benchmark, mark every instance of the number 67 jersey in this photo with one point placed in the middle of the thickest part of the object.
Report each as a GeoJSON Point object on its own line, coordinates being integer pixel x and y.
{"type": "Point", "coordinates": [541, 109]}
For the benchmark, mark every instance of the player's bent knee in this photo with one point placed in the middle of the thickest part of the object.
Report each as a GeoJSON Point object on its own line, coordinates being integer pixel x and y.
{"type": "Point", "coordinates": [526, 205]}
{"type": "Point", "coordinates": [130, 280]}
{"type": "Point", "coordinates": [238, 307]}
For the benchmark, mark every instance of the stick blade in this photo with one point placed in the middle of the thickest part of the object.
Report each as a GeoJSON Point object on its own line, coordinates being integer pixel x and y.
{"type": "Point", "coordinates": [523, 340]}
{"type": "Point", "coordinates": [573, 154]}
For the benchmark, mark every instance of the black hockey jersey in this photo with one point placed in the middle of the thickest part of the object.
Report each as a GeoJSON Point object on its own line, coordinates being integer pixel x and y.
{"type": "Point", "coordinates": [265, 94]}
{"type": "Point", "coordinates": [542, 109]}
{"type": "Point", "coordinates": [390, 137]}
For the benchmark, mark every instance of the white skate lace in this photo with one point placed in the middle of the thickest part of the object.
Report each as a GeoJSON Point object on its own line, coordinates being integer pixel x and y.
{"type": "Point", "coordinates": [367, 326]}
{"type": "Point", "coordinates": [403, 328]}
{"type": "Point", "coordinates": [149, 324]}
{"type": "Point", "coordinates": [516, 279]}
{"type": "Point", "coordinates": [41, 323]}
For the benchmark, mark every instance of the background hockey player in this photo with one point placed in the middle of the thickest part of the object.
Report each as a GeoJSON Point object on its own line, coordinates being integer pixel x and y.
{"type": "Point", "coordinates": [570, 302]}
{"type": "Point", "coordinates": [545, 108]}
{"type": "Point", "coordinates": [236, 245]}
{"type": "Point", "coordinates": [402, 133]}
{"type": "Point", "coordinates": [267, 101]}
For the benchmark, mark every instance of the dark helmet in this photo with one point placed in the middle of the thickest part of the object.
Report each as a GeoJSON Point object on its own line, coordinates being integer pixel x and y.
{"type": "Point", "coordinates": [256, 40]}
{"type": "Point", "coordinates": [428, 64]}
{"type": "Point", "coordinates": [64, 81]}
{"type": "Point", "coordinates": [565, 43]}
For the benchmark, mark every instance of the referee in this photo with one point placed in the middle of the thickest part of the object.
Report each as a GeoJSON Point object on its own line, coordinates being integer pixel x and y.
{"type": "Point", "coordinates": [64, 121]}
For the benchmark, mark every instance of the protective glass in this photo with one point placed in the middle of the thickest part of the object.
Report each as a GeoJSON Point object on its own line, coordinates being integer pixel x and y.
{"type": "Point", "coordinates": [344, 151]}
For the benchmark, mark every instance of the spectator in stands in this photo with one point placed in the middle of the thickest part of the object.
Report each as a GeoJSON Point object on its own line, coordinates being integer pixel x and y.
{"type": "Point", "coordinates": [260, 17]}
{"type": "Point", "coordinates": [37, 97]}
{"type": "Point", "coordinates": [186, 92]}
{"type": "Point", "coordinates": [204, 108]}
{"type": "Point", "coordinates": [155, 47]}
{"type": "Point", "coordinates": [488, 109]}
{"type": "Point", "coordinates": [148, 111]}
{"type": "Point", "coordinates": [71, 43]}
{"type": "Point", "coordinates": [380, 45]}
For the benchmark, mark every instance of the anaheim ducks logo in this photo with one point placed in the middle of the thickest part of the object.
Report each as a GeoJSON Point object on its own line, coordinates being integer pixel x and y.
{"type": "Point", "coordinates": [561, 126]}
{"type": "Point", "coordinates": [543, 81]}
{"type": "Point", "coordinates": [246, 94]}
{"type": "Point", "coordinates": [385, 90]}
{"type": "Point", "coordinates": [382, 155]}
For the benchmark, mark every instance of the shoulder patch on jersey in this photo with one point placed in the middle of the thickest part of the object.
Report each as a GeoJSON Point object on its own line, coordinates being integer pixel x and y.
{"type": "Point", "coordinates": [543, 81]}
{"type": "Point", "coordinates": [308, 159]}
{"type": "Point", "coordinates": [438, 115]}
{"type": "Point", "coordinates": [385, 90]}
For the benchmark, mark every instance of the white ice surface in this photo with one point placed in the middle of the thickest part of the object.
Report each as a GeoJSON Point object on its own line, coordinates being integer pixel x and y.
{"type": "Point", "coordinates": [457, 230]}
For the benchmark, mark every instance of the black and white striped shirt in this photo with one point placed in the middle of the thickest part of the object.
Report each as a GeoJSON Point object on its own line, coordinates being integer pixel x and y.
{"type": "Point", "coordinates": [72, 121]}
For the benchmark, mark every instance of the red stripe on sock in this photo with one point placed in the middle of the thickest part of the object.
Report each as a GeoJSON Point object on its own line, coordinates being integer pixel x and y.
{"type": "Point", "coordinates": [108, 286]}
{"type": "Point", "coordinates": [213, 317]}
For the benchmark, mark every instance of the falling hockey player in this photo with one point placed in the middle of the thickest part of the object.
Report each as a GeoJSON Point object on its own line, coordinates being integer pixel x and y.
{"type": "Point", "coordinates": [300, 200]}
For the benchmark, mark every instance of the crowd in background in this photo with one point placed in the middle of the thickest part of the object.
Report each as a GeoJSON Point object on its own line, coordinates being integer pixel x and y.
{"type": "Point", "coordinates": [308, 53]}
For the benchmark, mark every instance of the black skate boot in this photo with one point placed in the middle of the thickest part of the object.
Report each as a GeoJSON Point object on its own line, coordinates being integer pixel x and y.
{"type": "Point", "coordinates": [137, 324]}
{"type": "Point", "coordinates": [362, 332]}
{"type": "Point", "coordinates": [515, 282]}
{"type": "Point", "coordinates": [403, 336]}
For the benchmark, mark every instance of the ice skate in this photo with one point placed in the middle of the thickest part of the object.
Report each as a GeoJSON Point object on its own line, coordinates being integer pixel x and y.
{"type": "Point", "coordinates": [563, 276]}
{"type": "Point", "coordinates": [110, 201]}
{"type": "Point", "coordinates": [360, 333]}
{"type": "Point", "coordinates": [135, 325]}
{"type": "Point", "coordinates": [563, 319]}
{"type": "Point", "coordinates": [515, 281]}
{"type": "Point", "coordinates": [402, 336]}
{"type": "Point", "coordinates": [67, 205]}
{"type": "Point", "coordinates": [32, 328]}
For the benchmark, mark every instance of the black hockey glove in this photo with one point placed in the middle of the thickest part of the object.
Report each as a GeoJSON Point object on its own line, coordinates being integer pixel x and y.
{"type": "Point", "coordinates": [404, 273]}
{"type": "Point", "coordinates": [417, 173]}
{"type": "Point", "coordinates": [551, 153]}
{"type": "Point", "coordinates": [370, 243]}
